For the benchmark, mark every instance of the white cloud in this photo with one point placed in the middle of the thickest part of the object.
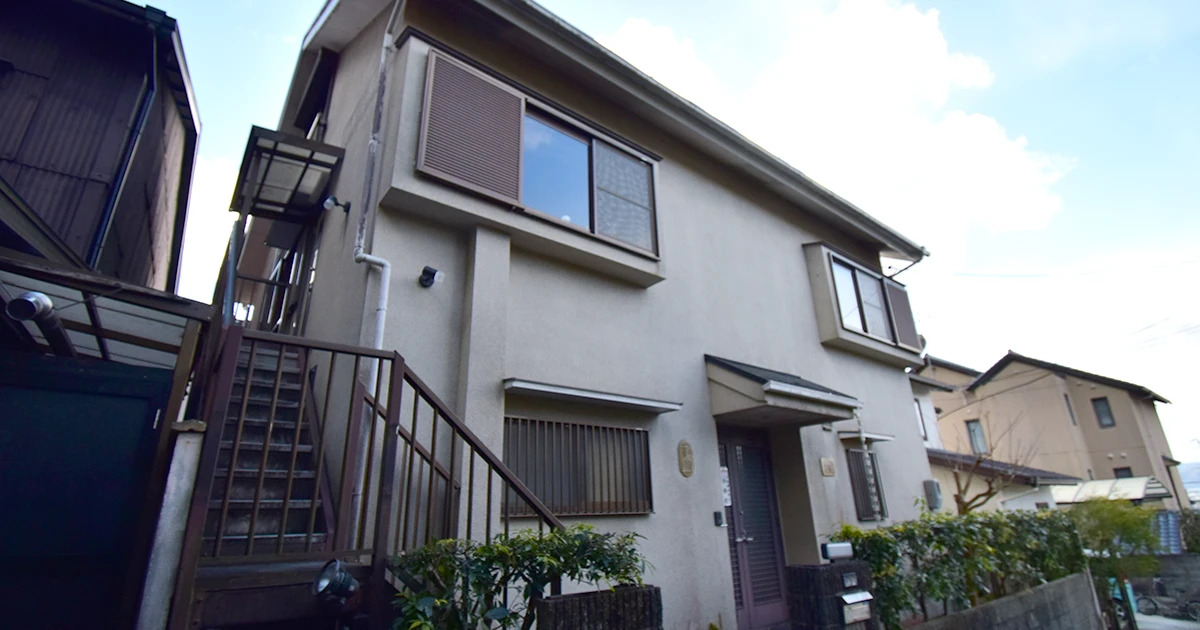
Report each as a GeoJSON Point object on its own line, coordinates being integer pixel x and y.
{"type": "Point", "coordinates": [208, 226]}
{"type": "Point", "coordinates": [856, 97]}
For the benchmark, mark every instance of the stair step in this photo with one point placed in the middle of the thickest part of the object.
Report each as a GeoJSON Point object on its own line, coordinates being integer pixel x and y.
{"type": "Point", "coordinates": [269, 474]}
{"type": "Point", "coordinates": [267, 382]}
{"type": "Point", "coordinates": [287, 538]}
{"type": "Point", "coordinates": [263, 504]}
{"type": "Point", "coordinates": [275, 446]}
{"type": "Point", "coordinates": [250, 421]}
{"type": "Point", "coordinates": [266, 401]}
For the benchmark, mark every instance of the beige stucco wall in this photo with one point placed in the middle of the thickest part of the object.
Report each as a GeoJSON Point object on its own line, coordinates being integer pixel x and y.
{"type": "Point", "coordinates": [1023, 410]}
{"type": "Point", "coordinates": [1025, 418]}
{"type": "Point", "coordinates": [735, 285]}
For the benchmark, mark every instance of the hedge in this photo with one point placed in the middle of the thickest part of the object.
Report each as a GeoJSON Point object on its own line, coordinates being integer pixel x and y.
{"type": "Point", "coordinates": [964, 560]}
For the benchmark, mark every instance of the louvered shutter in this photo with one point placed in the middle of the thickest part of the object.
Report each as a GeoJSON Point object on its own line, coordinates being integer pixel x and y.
{"type": "Point", "coordinates": [471, 130]}
{"type": "Point", "coordinates": [902, 315]}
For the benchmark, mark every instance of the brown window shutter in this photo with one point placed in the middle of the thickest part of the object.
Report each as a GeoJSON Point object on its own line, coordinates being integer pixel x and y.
{"type": "Point", "coordinates": [902, 315]}
{"type": "Point", "coordinates": [471, 130]}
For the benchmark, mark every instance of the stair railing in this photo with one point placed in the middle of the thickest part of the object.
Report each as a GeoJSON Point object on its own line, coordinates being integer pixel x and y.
{"type": "Point", "coordinates": [296, 434]}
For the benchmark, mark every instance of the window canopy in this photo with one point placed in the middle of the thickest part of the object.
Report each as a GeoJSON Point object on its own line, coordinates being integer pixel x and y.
{"type": "Point", "coordinates": [284, 177]}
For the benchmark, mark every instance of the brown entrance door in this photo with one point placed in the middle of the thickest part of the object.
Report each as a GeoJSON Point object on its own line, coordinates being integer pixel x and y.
{"type": "Point", "coordinates": [755, 548]}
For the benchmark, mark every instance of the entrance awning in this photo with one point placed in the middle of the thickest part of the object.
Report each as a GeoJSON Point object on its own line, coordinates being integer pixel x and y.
{"type": "Point", "coordinates": [749, 395]}
{"type": "Point", "coordinates": [284, 177]}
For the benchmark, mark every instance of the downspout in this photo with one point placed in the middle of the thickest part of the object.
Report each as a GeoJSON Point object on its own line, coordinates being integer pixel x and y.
{"type": "Point", "coordinates": [122, 174]}
{"type": "Point", "coordinates": [361, 257]}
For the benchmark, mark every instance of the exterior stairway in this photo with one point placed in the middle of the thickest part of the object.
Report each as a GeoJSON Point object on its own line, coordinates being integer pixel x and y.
{"type": "Point", "coordinates": [267, 466]}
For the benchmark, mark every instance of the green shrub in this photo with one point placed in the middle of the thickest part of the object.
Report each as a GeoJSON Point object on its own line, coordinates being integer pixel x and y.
{"type": "Point", "coordinates": [1189, 527]}
{"type": "Point", "coordinates": [962, 560]}
{"type": "Point", "coordinates": [460, 585]}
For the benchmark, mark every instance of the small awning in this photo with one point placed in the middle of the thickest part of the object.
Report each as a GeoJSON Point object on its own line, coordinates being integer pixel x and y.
{"type": "Point", "coordinates": [588, 396]}
{"type": "Point", "coordinates": [754, 396]}
{"type": "Point", "coordinates": [284, 177]}
{"type": "Point", "coordinates": [1130, 489]}
{"type": "Point", "coordinates": [855, 436]}
{"type": "Point", "coordinates": [104, 318]}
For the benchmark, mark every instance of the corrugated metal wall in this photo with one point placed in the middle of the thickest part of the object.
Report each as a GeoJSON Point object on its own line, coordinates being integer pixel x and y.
{"type": "Point", "coordinates": [66, 109]}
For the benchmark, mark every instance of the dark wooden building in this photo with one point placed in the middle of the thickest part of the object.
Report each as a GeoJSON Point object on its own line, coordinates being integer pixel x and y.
{"type": "Point", "coordinates": [98, 134]}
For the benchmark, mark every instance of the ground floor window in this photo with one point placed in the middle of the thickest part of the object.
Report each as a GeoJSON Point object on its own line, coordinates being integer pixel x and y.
{"type": "Point", "coordinates": [580, 469]}
{"type": "Point", "coordinates": [866, 484]}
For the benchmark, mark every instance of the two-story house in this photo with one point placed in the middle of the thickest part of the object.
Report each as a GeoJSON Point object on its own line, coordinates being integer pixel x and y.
{"type": "Point", "coordinates": [662, 327]}
{"type": "Point", "coordinates": [1035, 413]}
{"type": "Point", "coordinates": [98, 132]}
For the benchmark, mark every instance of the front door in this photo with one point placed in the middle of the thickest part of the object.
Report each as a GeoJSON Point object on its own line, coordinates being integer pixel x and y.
{"type": "Point", "coordinates": [755, 548]}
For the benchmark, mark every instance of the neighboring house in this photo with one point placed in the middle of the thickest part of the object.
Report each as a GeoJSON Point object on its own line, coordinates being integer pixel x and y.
{"type": "Point", "coordinates": [1011, 487]}
{"type": "Point", "coordinates": [98, 130]}
{"type": "Point", "coordinates": [661, 327]}
{"type": "Point", "coordinates": [1034, 413]}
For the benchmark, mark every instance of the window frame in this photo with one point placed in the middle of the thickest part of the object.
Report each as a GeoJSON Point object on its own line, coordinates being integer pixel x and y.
{"type": "Point", "coordinates": [584, 508]}
{"type": "Point", "coordinates": [555, 118]}
{"type": "Point", "coordinates": [921, 419]}
{"type": "Point", "coordinates": [558, 117]}
{"type": "Point", "coordinates": [877, 482]}
{"type": "Point", "coordinates": [1117, 472]}
{"type": "Point", "coordinates": [834, 258]}
{"type": "Point", "coordinates": [1112, 419]}
{"type": "Point", "coordinates": [982, 437]}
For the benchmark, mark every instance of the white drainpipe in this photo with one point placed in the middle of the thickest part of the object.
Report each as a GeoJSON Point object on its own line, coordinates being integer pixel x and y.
{"type": "Point", "coordinates": [361, 257]}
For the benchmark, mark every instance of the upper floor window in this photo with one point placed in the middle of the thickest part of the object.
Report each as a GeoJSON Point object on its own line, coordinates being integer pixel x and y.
{"type": "Point", "coordinates": [496, 140]}
{"type": "Point", "coordinates": [1104, 413]}
{"type": "Point", "coordinates": [979, 444]}
{"type": "Point", "coordinates": [870, 304]}
{"type": "Point", "coordinates": [1123, 473]}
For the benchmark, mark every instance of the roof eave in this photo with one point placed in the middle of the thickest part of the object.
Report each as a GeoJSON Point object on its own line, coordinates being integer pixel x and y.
{"type": "Point", "coordinates": [705, 130]}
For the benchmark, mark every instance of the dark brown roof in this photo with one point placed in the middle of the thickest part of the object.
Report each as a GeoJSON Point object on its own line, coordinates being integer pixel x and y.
{"type": "Point", "coordinates": [1013, 357]}
{"type": "Point", "coordinates": [930, 382]}
{"type": "Point", "coordinates": [992, 468]}
{"type": "Point", "coordinates": [763, 375]}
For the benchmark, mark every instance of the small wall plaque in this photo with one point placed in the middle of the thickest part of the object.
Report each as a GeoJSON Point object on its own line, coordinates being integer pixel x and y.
{"type": "Point", "coordinates": [827, 467]}
{"type": "Point", "coordinates": [687, 461]}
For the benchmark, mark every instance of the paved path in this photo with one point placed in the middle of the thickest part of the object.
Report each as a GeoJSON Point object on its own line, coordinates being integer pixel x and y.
{"type": "Point", "coordinates": [1148, 622]}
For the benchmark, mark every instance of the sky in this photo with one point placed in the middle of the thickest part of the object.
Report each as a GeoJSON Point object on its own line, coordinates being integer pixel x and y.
{"type": "Point", "coordinates": [1046, 153]}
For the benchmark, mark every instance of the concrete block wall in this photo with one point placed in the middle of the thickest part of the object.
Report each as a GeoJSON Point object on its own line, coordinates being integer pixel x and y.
{"type": "Point", "coordinates": [1177, 571]}
{"type": "Point", "coordinates": [1066, 604]}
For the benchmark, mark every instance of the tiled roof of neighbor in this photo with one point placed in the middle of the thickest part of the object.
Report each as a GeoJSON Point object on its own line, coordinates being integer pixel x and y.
{"type": "Point", "coordinates": [763, 375]}
{"type": "Point", "coordinates": [930, 382]}
{"type": "Point", "coordinates": [1013, 357]}
{"type": "Point", "coordinates": [990, 467]}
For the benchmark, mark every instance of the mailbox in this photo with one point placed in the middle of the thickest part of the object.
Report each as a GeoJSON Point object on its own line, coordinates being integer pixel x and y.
{"type": "Point", "coordinates": [856, 607]}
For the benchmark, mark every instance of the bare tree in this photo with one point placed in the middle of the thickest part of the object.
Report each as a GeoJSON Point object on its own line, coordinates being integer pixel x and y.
{"type": "Point", "coordinates": [997, 473]}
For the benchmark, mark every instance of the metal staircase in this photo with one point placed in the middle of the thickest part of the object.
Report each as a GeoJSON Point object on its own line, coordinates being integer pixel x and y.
{"type": "Point", "coordinates": [269, 500]}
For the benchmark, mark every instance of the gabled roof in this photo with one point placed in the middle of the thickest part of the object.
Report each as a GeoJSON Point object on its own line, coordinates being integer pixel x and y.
{"type": "Point", "coordinates": [1013, 357]}
{"type": "Point", "coordinates": [991, 468]}
{"type": "Point", "coordinates": [340, 20]}
{"type": "Point", "coordinates": [942, 363]}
